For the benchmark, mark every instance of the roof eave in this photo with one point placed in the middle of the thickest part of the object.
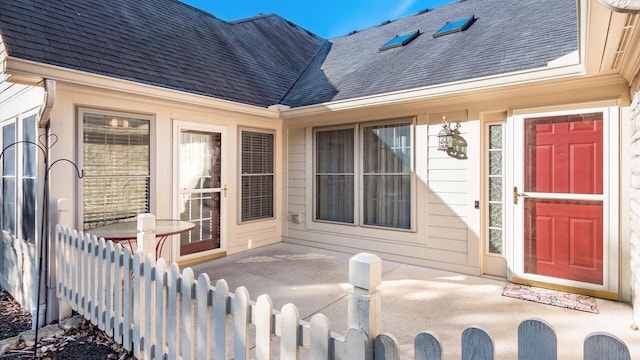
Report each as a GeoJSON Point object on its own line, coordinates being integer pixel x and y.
{"type": "Point", "coordinates": [440, 90]}
{"type": "Point", "coordinates": [31, 72]}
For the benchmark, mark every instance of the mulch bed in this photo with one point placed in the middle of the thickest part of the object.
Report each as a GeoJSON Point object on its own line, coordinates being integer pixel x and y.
{"type": "Point", "coordinates": [85, 342]}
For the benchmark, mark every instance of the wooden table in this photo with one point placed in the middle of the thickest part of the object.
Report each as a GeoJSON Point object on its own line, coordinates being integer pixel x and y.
{"type": "Point", "coordinates": [128, 231]}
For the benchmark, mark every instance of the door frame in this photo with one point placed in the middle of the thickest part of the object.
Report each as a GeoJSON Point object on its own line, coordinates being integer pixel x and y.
{"type": "Point", "coordinates": [610, 198]}
{"type": "Point", "coordinates": [177, 127]}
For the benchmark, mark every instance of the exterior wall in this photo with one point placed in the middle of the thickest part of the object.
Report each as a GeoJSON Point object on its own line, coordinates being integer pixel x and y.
{"type": "Point", "coordinates": [450, 232]}
{"type": "Point", "coordinates": [635, 198]}
{"type": "Point", "coordinates": [65, 124]}
{"type": "Point", "coordinates": [18, 263]}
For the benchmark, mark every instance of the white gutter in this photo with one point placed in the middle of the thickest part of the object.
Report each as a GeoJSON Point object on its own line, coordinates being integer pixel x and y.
{"type": "Point", "coordinates": [622, 5]}
{"type": "Point", "coordinates": [49, 97]}
{"type": "Point", "coordinates": [443, 90]}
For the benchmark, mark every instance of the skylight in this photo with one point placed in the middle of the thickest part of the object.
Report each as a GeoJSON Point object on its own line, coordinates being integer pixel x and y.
{"type": "Point", "coordinates": [455, 26]}
{"type": "Point", "coordinates": [400, 40]}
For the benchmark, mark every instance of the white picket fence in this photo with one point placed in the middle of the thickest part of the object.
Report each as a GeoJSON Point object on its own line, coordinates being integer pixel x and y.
{"type": "Point", "coordinates": [160, 313]}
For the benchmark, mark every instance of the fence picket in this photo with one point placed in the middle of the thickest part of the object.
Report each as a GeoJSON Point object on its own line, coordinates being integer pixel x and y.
{"type": "Point", "coordinates": [221, 309]}
{"type": "Point", "coordinates": [386, 347]}
{"type": "Point", "coordinates": [102, 290]}
{"type": "Point", "coordinates": [202, 316]}
{"type": "Point", "coordinates": [289, 332]}
{"type": "Point", "coordinates": [173, 303]}
{"type": "Point", "coordinates": [536, 341]}
{"type": "Point", "coordinates": [355, 345]}
{"type": "Point", "coordinates": [320, 337]}
{"type": "Point", "coordinates": [118, 319]}
{"type": "Point", "coordinates": [599, 346]}
{"type": "Point", "coordinates": [186, 317]}
{"type": "Point", "coordinates": [149, 305]}
{"type": "Point", "coordinates": [241, 310]}
{"type": "Point", "coordinates": [126, 298]}
{"type": "Point", "coordinates": [93, 279]}
{"type": "Point", "coordinates": [476, 344]}
{"type": "Point", "coordinates": [110, 289]}
{"type": "Point", "coordinates": [76, 261]}
{"type": "Point", "coordinates": [157, 350]}
{"type": "Point", "coordinates": [137, 302]}
{"type": "Point", "coordinates": [84, 275]}
{"type": "Point", "coordinates": [264, 325]}
{"type": "Point", "coordinates": [427, 346]}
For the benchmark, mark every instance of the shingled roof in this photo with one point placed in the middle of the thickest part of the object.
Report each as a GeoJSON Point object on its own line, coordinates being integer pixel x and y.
{"type": "Point", "coordinates": [507, 36]}
{"type": "Point", "coordinates": [164, 43]}
{"type": "Point", "coordinates": [267, 60]}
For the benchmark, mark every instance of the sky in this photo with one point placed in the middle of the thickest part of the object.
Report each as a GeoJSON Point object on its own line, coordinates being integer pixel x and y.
{"type": "Point", "coordinates": [326, 18]}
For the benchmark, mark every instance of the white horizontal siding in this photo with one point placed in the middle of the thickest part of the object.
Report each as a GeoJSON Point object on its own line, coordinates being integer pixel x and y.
{"type": "Point", "coordinates": [296, 181]}
{"type": "Point", "coordinates": [448, 201]}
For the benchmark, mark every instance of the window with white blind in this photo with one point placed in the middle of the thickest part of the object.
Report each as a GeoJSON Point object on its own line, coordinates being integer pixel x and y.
{"type": "Point", "coordinates": [382, 175]}
{"type": "Point", "coordinates": [115, 162]}
{"type": "Point", "coordinates": [257, 175]}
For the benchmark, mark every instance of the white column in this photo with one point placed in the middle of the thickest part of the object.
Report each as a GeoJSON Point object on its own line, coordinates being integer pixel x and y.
{"type": "Point", "coordinates": [365, 274]}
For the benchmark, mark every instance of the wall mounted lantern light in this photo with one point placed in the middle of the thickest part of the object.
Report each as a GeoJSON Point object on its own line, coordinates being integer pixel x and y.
{"type": "Point", "coordinates": [446, 135]}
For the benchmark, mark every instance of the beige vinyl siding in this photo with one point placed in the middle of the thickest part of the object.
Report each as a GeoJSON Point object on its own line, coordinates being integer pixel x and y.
{"type": "Point", "coordinates": [296, 202]}
{"type": "Point", "coordinates": [448, 199]}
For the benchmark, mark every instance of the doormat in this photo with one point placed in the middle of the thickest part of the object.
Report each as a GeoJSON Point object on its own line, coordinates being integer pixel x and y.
{"type": "Point", "coordinates": [551, 297]}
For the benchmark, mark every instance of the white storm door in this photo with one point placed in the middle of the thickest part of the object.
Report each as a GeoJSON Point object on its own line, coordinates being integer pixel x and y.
{"type": "Point", "coordinates": [200, 187]}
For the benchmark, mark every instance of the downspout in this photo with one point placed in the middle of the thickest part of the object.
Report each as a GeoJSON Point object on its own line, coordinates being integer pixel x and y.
{"type": "Point", "coordinates": [49, 95]}
{"type": "Point", "coordinates": [622, 5]}
{"type": "Point", "coordinates": [46, 273]}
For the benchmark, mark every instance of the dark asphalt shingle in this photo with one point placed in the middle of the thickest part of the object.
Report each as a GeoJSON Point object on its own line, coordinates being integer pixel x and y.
{"type": "Point", "coordinates": [266, 60]}
{"type": "Point", "coordinates": [164, 43]}
{"type": "Point", "coordinates": [507, 36]}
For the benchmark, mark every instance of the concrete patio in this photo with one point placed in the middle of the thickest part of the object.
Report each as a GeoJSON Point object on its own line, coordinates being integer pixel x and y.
{"type": "Point", "coordinates": [414, 299]}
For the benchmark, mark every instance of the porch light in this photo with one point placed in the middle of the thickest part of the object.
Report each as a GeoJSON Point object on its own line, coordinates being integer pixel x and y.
{"type": "Point", "coordinates": [445, 136]}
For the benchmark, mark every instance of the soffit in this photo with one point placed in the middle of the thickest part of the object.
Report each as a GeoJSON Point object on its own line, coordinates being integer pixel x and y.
{"type": "Point", "coordinates": [613, 40]}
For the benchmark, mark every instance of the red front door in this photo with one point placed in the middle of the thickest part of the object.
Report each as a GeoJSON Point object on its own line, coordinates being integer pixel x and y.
{"type": "Point", "coordinates": [563, 236]}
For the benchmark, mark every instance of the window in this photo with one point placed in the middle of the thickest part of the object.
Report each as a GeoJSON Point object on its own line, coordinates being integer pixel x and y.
{"type": "Point", "coordinates": [400, 40]}
{"type": "Point", "coordinates": [455, 26]}
{"type": "Point", "coordinates": [257, 175]}
{"type": "Point", "coordinates": [496, 176]}
{"type": "Point", "coordinates": [29, 179]}
{"type": "Point", "coordinates": [385, 175]}
{"type": "Point", "coordinates": [334, 167]}
{"type": "Point", "coordinates": [115, 161]}
{"type": "Point", "coordinates": [19, 178]}
{"type": "Point", "coordinates": [9, 178]}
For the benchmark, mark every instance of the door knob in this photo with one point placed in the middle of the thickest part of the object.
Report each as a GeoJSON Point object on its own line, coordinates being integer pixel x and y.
{"type": "Point", "coordinates": [516, 195]}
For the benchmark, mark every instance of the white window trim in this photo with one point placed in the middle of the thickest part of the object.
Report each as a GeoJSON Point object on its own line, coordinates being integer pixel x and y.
{"type": "Point", "coordinates": [79, 153]}
{"type": "Point", "coordinates": [358, 174]}
{"type": "Point", "coordinates": [239, 184]}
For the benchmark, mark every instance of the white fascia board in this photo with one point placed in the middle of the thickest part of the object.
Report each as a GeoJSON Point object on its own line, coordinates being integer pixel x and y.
{"type": "Point", "coordinates": [439, 91]}
{"type": "Point", "coordinates": [28, 69]}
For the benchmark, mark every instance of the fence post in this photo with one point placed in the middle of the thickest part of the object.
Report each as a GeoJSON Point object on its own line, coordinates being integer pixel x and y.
{"type": "Point", "coordinates": [65, 218]}
{"type": "Point", "coordinates": [147, 234]}
{"type": "Point", "coordinates": [365, 274]}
